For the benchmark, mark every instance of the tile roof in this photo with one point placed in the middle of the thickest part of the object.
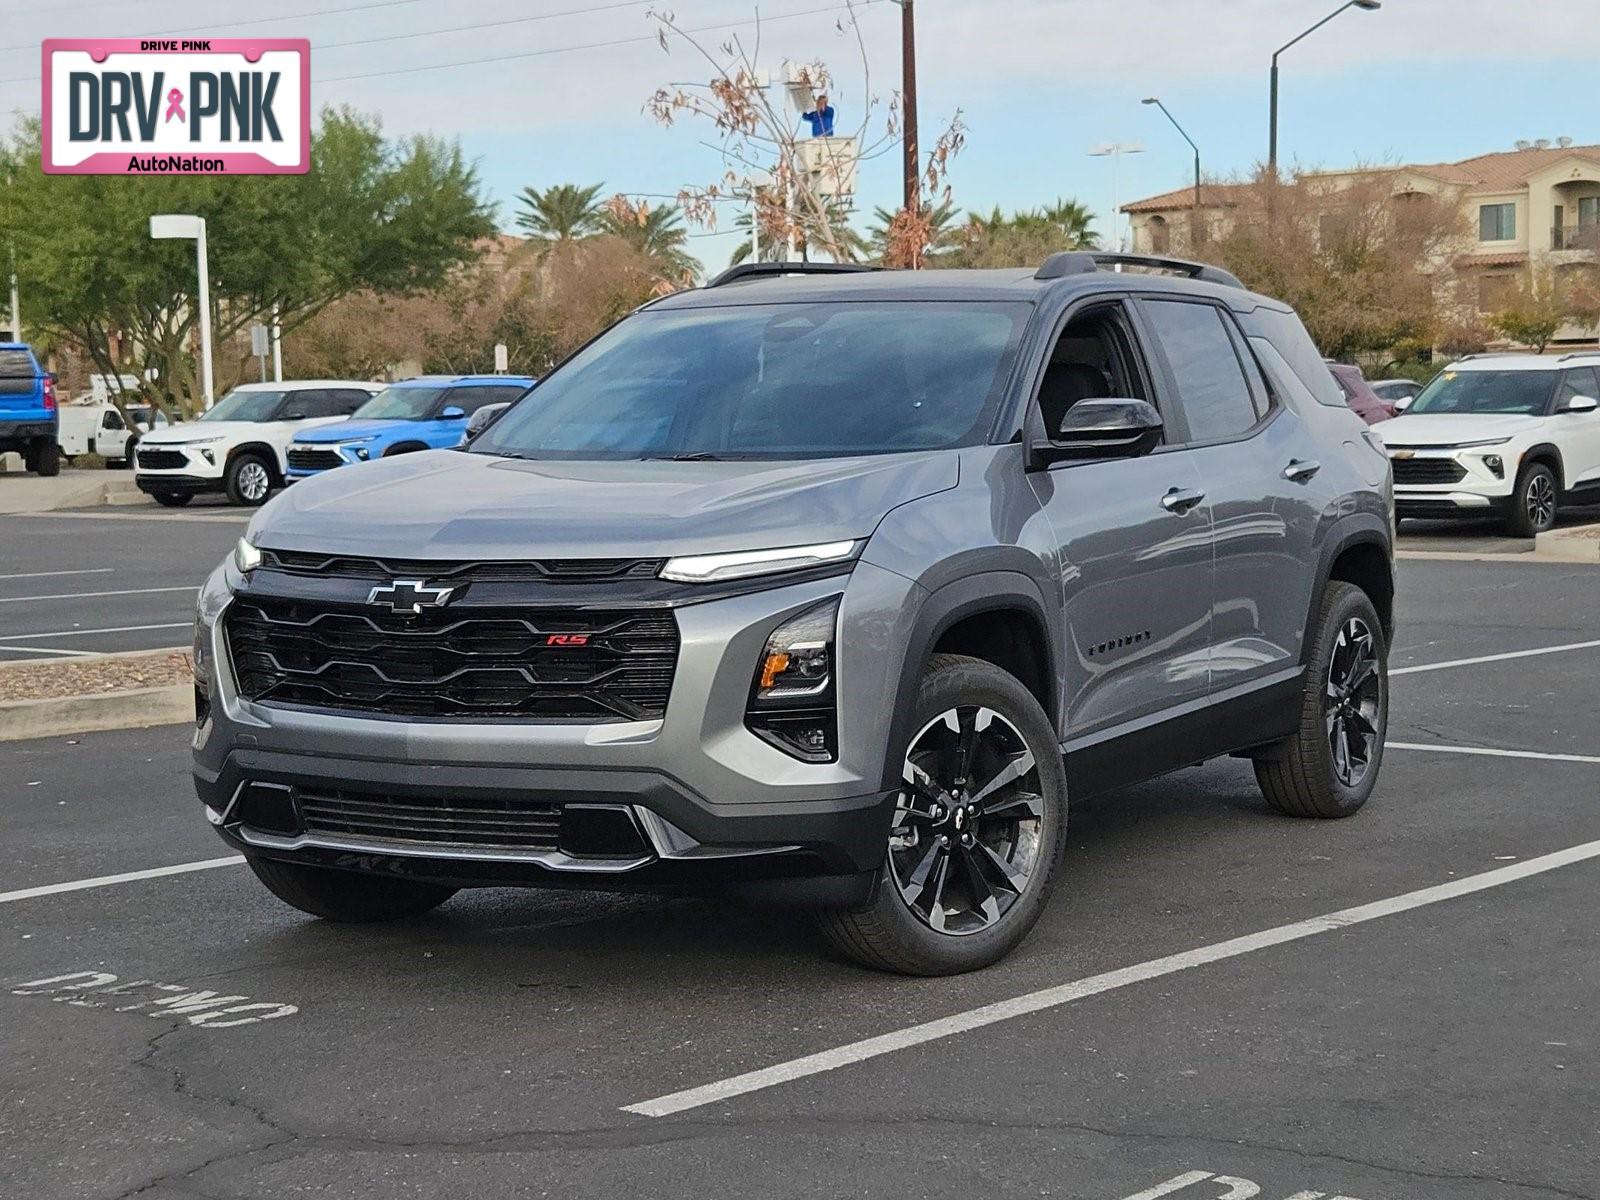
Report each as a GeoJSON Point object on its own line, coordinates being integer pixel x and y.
{"type": "Point", "coordinates": [1502, 171]}
{"type": "Point", "coordinates": [1505, 258]}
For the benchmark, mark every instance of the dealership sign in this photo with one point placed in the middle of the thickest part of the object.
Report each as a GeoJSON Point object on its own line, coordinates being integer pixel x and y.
{"type": "Point", "coordinates": [164, 106]}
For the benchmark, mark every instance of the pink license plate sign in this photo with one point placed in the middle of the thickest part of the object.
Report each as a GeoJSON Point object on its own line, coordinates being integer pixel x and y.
{"type": "Point", "coordinates": [168, 106]}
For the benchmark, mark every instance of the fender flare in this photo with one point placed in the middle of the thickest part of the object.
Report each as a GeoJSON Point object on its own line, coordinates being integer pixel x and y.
{"type": "Point", "coordinates": [410, 446]}
{"type": "Point", "coordinates": [988, 591]}
{"type": "Point", "coordinates": [1357, 529]}
{"type": "Point", "coordinates": [1547, 450]}
{"type": "Point", "coordinates": [261, 450]}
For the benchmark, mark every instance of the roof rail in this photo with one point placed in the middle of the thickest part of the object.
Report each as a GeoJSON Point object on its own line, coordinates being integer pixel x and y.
{"type": "Point", "coordinates": [1578, 354]}
{"type": "Point", "coordinates": [771, 269]}
{"type": "Point", "coordinates": [1083, 262]}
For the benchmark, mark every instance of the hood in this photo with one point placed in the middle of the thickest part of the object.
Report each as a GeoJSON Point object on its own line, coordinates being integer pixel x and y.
{"type": "Point", "coordinates": [451, 505]}
{"type": "Point", "coordinates": [343, 431]}
{"type": "Point", "coordinates": [1449, 429]}
{"type": "Point", "coordinates": [197, 431]}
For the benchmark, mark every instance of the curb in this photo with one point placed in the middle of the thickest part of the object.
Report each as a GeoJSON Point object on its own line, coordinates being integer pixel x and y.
{"type": "Point", "coordinates": [1578, 545]}
{"type": "Point", "coordinates": [137, 709]}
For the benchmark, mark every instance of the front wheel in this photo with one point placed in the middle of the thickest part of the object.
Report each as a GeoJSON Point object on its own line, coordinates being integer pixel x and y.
{"type": "Point", "coordinates": [979, 828]}
{"type": "Point", "coordinates": [351, 896]}
{"type": "Point", "coordinates": [1330, 766]}
{"type": "Point", "coordinates": [1533, 503]}
{"type": "Point", "coordinates": [249, 480]}
{"type": "Point", "coordinates": [171, 499]}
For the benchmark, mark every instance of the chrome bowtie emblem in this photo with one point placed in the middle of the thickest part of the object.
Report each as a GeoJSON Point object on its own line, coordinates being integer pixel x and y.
{"type": "Point", "coordinates": [411, 596]}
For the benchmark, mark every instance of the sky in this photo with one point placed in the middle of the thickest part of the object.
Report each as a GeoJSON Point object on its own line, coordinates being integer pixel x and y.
{"type": "Point", "coordinates": [540, 92]}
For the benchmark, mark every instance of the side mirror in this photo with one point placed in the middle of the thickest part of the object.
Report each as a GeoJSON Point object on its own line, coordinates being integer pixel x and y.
{"type": "Point", "coordinates": [1111, 428]}
{"type": "Point", "coordinates": [1581, 404]}
{"type": "Point", "coordinates": [453, 413]}
{"type": "Point", "coordinates": [1401, 403]}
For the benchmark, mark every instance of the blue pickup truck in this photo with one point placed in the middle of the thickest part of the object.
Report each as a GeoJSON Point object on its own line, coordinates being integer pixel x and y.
{"type": "Point", "coordinates": [29, 422]}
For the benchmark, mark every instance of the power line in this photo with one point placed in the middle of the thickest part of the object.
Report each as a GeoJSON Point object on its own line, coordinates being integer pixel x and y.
{"type": "Point", "coordinates": [400, 37]}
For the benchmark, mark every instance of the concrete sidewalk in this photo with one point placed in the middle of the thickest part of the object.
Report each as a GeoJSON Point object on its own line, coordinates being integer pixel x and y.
{"type": "Point", "coordinates": [88, 488]}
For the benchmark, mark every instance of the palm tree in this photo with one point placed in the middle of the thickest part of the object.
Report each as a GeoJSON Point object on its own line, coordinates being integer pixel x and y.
{"type": "Point", "coordinates": [561, 214]}
{"type": "Point", "coordinates": [943, 234]}
{"type": "Point", "coordinates": [657, 233]}
{"type": "Point", "coordinates": [1075, 220]}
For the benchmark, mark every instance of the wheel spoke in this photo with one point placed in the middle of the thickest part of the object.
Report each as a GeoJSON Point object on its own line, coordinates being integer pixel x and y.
{"type": "Point", "coordinates": [1014, 770]}
{"type": "Point", "coordinates": [967, 742]}
{"type": "Point", "coordinates": [935, 892]}
{"type": "Point", "coordinates": [1341, 751]}
{"type": "Point", "coordinates": [1023, 805]}
{"type": "Point", "coordinates": [1001, 871]}
{"type": "Point", "coordinates": [983, 897]}
{"type": "Point", "coordinates": [918, 879]}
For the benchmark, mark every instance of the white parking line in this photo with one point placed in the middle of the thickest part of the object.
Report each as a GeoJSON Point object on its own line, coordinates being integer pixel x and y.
{"type": "Point", "coordinates": [1094, 985]}
{"type": "Point", "coordinates": [78, 885]}
{"type": "Point", "coordinates": [48, 574]}
{"type": "Point", "coordinates": [94, 595]}
{"type": "Point", "coordinates": [1488, 658]}
{"type": "Point", "coordinates": [1492, 752]}
{"type": "Point", "coordinates": [33, 637]}
{"type": "Point", "coordinates": [49, 650]}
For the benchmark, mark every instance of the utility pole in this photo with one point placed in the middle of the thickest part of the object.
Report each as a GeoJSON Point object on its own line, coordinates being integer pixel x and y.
{"type": "Point", "coordinates": [16, 310]}
{"type": "Point", "coordinates": [908, 93]}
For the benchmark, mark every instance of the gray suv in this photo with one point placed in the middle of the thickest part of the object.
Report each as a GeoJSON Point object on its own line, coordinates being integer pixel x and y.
{"type": "Point", "coordinates": [815, 583]}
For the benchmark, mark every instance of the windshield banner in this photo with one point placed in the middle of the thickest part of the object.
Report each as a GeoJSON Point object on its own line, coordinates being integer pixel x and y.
{"type": "Point", "coordinates": [165, 106]}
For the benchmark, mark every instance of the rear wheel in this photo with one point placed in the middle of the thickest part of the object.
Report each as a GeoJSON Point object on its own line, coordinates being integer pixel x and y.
{"type": "Point", "coordinates": [45, 459]}
{"type": "Point", "coordinates": [979, 828]}
{"type": "Point", "coordinates": [1330, 766]}
{"type": "Point", "coordinates": [348, 895]}
{"type": "Point", "coordinates": [1533, 503]}
{"type": "Point", "coordinates": [249, 480]}
{"type": "Point", "coordinates": [171, 499]}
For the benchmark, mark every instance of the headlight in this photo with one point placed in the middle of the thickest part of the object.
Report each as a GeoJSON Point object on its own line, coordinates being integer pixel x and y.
{"type": "Point", "coordinates": [197, 441]}
{"type": "Point", "coordinates": [1480, 442]}
{"type": "Point", "coordinates": [246, 558]}
{"type": "Point", "coordinates": [792, 697]}
{"type": "Point", "coordinates": [711, 568]}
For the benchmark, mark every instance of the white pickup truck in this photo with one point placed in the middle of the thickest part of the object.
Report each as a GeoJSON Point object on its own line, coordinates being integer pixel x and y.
{"type": "Point", "coordinates": [96, 427]}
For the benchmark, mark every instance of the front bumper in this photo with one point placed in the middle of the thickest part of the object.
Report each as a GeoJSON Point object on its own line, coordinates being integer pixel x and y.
{"type": "Point", "coordinates": [176, 483]}
{"type": "Point", "coordinates": [693, 798]}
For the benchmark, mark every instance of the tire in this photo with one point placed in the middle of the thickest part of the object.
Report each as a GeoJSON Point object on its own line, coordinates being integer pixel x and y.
{"type": "Point", "coordinates": [1023, 825]}
{"type": "Point", "coordinates": [402, 448]}
{"type": "Point", "coordinates": [350, 896]}
{"type": "Point", "coordinates": [249, 480]}
{"type": "Point", "coordinates": [126, 461]}
{"type": "Point", "coordinates": [46, 459]}
{"type": "Point", "coordinates": [171, 499]}
{"type": "Point", "coordinates": [1533, 502]}
{"type": "Point", "coordinates": [1302, 775]}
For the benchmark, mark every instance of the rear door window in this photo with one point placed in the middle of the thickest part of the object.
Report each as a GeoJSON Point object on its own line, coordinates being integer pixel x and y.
{"type": "Point", "coordinates": [1212, 389]}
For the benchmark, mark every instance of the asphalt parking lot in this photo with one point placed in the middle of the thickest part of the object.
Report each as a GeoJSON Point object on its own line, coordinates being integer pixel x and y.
{"type": "Point", "coordinates": [1218, 1004]}
{"type": "Point", "coordinates": [101, 581]}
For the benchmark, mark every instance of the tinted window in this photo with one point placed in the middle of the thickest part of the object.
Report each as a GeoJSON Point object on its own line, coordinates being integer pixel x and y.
{"type": "Point", "coordinates": [111, 420]}
{"type": "Point", "coordinates": [1580, 381]}
{"type": "Point", "coordinates": [1526, 392]}
{"type": "Point", "coordinates": [16, 364]}
{"type": "Point", "coordinates": [1294, 345]}
{"type": "Point", "coordinates": [345, 401]}
{"type": "Point", "coordinates": [773, 381]}
{"type": "Point", "coordinates": [470, 399]}
{"type": "Point", "coordinates": [245, 406]}
{"type": "Point", "coordinates": [1211, 385]}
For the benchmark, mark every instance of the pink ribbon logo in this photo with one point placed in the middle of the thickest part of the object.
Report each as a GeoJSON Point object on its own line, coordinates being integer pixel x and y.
{"type": "Point", "coordinates": [175, 105]}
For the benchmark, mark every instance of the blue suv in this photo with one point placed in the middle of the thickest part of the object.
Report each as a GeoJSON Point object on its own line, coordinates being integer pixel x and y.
{"type": "Point", "coordinates": [426, 413]}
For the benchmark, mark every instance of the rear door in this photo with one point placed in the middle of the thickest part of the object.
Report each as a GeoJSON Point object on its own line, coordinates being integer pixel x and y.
{"type": "Point", "coordinates": [1259, 468]}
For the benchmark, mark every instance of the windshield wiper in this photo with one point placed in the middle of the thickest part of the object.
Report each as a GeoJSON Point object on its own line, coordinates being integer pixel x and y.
{"type": "Point", "coordinates": [689, 456]}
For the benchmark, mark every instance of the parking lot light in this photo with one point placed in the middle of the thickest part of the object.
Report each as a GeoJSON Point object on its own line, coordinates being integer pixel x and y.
{"type": "Point", "coordinates": [176, 225]}
{"type": "Point", "coordinates": [1272, 124]}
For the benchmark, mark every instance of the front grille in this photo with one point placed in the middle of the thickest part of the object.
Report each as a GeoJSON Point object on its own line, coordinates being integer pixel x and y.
{"type": "Point", "coordinates": [1428, 470]}
{"type": "Point", "coordinates": [521, 663]}
{"type": "Point", "coordinates": [301, 459]}
{"type": "Point", "coordinates": [515, 823]}
{"type": "Point", "coordinates": [162, 460]}
{"type": "Point", "coordinates": [553, 570]}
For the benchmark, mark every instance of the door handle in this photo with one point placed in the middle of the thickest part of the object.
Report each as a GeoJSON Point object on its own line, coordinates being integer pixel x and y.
{"type": "Point", "coordinates": [1301, 469]}
{"type": "Point", "coordinates": [1181, 500]}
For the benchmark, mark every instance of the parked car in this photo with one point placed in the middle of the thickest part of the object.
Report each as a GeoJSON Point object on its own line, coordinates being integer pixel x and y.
{"type": "Point", "coordinates": [29, 423]}
{"type": "Point", "coordinates": [1365, 403]}
{"type": "Point", "coordinates": [429, 412]}
{"type": "Point", "coordinates": [1396, 393]}
{"type": "Point", "coordinates": [1508, 435]}
{"type": "Point", "coordinates": [482, 419]}
{"type": "Point", "coordinates": [96, 427]}
{"type": "Point", "coordinates": [824, 583]}
{"type": "Point", "coordinates": [238, 445]}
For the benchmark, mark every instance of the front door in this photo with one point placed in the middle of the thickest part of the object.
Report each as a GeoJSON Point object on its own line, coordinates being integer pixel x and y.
{"type": "Point", "coordinates": [1578, 433]}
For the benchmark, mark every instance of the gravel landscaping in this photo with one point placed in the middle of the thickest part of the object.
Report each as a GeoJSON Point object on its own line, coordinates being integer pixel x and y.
{"type": "Point", "coordinates": [93, 676]}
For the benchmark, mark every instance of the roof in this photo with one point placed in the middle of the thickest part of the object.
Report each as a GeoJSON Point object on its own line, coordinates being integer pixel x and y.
{"type": "Point", "coordinates": [1505, 258]}
{"type": "Point", "coordinates": [1513, 360]}
{"type": "Point", "coordinates": [298, 384]}
{"type": "Point", "coordinates": [1504, 171]}
{"type": "Point", "coordinates": [462, 380]}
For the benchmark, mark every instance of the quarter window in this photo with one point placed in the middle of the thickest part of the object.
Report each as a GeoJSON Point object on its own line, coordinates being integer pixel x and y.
{"type": "Point", "coordinates": [1212, 389]}
{"type": "Point", "coordinates": [1497, 222]}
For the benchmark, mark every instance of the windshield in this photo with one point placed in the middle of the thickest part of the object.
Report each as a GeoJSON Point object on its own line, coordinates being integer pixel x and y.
{"type": "Point", "coordinates": [772, 381]}
{"type": "Point", "coordinates": [1525, 392]}
{"type": "Point", "coordinates": [401, 403]}
{"type": "Point", "coordinates": [245, 406]}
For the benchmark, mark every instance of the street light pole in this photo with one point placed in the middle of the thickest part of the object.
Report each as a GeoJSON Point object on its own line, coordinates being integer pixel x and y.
{"type": "Point", "coordinates": [1194, 215]}
{"type": "Point", "coordinates": [1115, 151]}
{"type": "Point", "coordinates": [173, 225]}
{"type": "Point", "coordinates": [1272, 122]}
{"type": "Point", "coordinates": [16, 309]}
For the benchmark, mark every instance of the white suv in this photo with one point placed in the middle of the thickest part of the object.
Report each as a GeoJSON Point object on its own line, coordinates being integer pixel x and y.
{"type": "Point", "coordinates": [1511, 435]}
{"type": "Point", "coordinates": [238, 445]}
